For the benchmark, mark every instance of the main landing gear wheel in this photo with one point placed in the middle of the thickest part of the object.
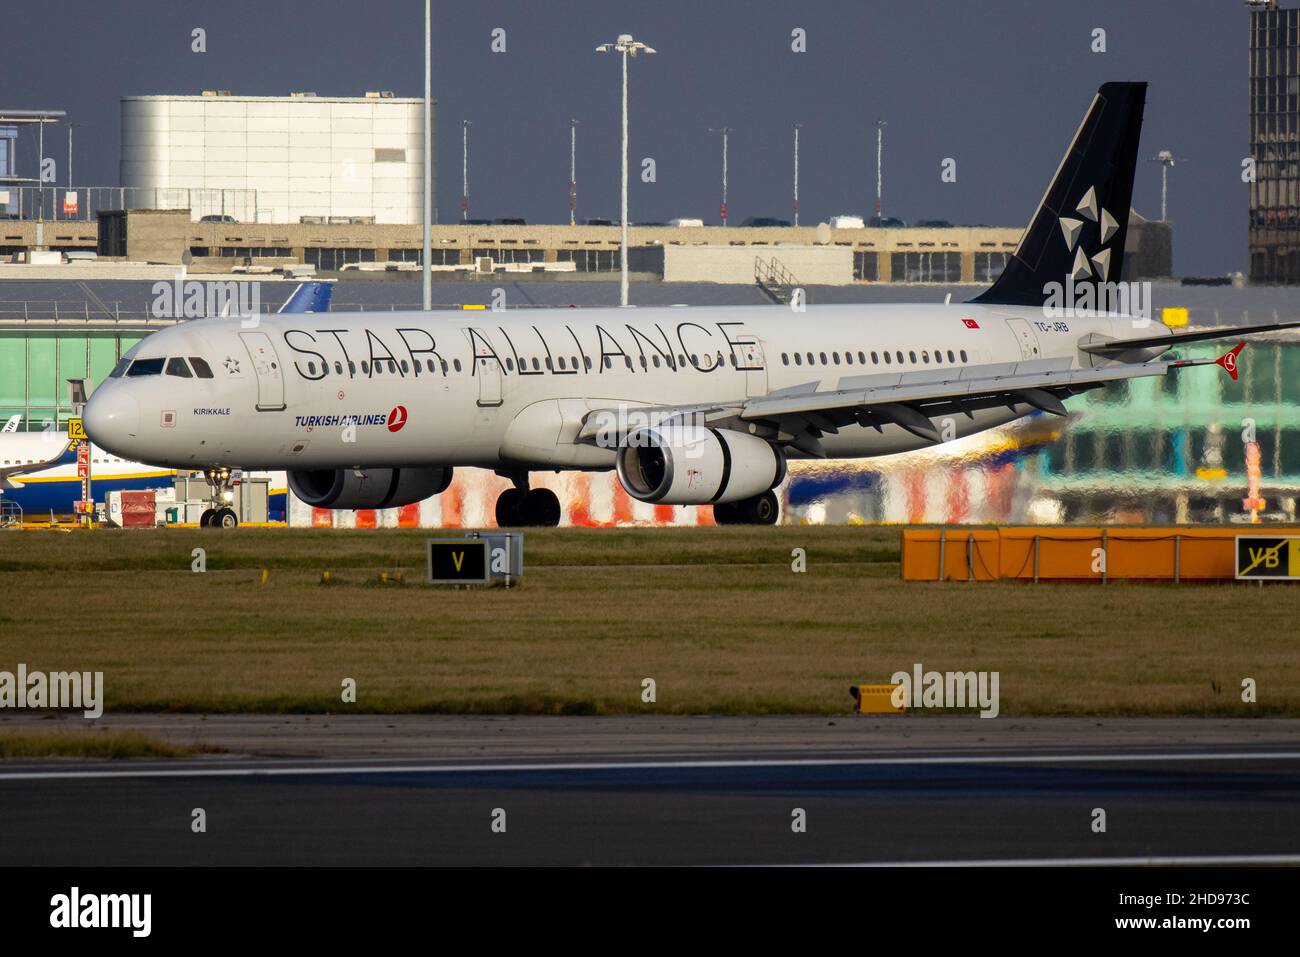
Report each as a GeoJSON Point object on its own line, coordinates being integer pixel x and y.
{"type": "Point", "coordinates": [538, 507]}
{"type": "Point", "coordinates": [541, 508]}
{"type": "Point", "coordinates": [225, 518]}
{"type": "Point", "coordinates": [726, 514]}
{"type": "Point", "coordinates": [760, 510]}
{"type": "Point", "coordinates": [205, 520]}
{"type": "Point", "coordinates": [509, 510]}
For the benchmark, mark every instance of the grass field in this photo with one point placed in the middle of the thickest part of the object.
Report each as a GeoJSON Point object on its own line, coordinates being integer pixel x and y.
{"type": "Point", "coordinates": [714, 615]}
{"type": "Point", "coordinates": [100, 743]}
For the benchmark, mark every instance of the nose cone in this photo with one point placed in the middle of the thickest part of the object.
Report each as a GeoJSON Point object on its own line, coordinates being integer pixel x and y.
{"type": "Point", "coordinates": [112, 420]}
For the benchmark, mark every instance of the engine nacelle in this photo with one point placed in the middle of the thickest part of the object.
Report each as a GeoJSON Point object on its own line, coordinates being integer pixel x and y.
{"type": "Point", "coordinates": [693, 465]}
{"type": "Point", "coordinates": [368, 488]}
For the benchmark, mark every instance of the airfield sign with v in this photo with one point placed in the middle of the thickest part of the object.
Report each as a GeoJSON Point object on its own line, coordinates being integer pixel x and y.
{"type": "Point", "coordinates": [458, 561]}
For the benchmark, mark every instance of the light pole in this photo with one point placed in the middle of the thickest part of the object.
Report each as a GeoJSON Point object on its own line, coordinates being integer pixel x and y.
{"type": "Point", "coordinates": [880, 155]}
{"type": "Point", "coordinates": [573, 170]}
{"type": "Point", "coordinates": [726, 131]}
{"type": "Point", "coordinates": [426, 267]}
{"type": "Point", "coordinates": [797, 128]}
{"type": "Point", "coordinates": [626, 46]}
{"type": "Point", "coordinates": [1166, 159]}
{"type": "Point", "coordinates": [464, 170]}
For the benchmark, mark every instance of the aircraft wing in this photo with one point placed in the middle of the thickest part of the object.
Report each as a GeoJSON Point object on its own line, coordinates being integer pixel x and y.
{"type": "Point", "coordinates": [913, 400]}
{"type": "Point", "coordinates": [800, 415]}
{"type": "Point", "coordinates": [9, 473]}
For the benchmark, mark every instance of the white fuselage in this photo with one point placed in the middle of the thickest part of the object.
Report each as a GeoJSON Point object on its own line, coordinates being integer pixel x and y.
{"type": "Point", "coordinates": [511, 389]}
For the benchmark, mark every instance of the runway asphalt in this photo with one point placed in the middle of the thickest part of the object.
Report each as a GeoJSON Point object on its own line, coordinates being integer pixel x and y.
{"type": "Point", "coordinates": [673, 791]}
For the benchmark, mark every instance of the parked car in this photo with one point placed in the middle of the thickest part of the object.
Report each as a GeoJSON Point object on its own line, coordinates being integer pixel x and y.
{"type": "Point", "coordinates": [217, 218]}
{"type": "Point", "coordinates": [847, 222]}
{"type": "Point", "coordinates": [476, 222]}
{"type": "Point", "coordinates": [510, 222]}
{"type": "Point", "coordinates": [601, 222]}
{"type": "Point", "coordinates": [686, 221]}
{"type": "Point", "coordinates": [932, 224]}
{"type": "Point", "coordinates": [886, 222]}
{"type": "Point", "coordinates": [764, 221]}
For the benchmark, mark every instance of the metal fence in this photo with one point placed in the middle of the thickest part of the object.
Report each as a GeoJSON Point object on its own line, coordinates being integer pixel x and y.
{"type": "Point", "coordinates": [82, 203]}
{"type": "Point", "coordinates": [101, 312]}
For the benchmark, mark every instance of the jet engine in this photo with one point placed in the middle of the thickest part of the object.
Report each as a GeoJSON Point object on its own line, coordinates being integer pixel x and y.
{"type": "Point", "coordinates": [693, 465]}
{"type": "Point", "coordinates": [368, 488]}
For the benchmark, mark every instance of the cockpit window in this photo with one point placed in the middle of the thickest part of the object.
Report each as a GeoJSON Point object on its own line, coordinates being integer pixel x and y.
{"type": "Point", "coordinates": [119, 369]}
{"type": "Point", "coordinates": [201, 367]}
{"type": "Point", "coordinates": [176, 366]}
{"type": "Point", "coordinates": [146, 367]}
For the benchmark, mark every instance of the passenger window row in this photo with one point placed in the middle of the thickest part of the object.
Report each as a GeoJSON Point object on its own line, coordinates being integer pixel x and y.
{"type": "Point", "coordinates": [379, 367]}
{"type": "Point", "coordinates": [890, 358]}
{"type": "Point", "coordinates": [560, 363]}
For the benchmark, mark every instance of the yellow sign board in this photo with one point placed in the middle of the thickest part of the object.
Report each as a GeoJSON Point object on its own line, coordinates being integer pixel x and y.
{"type": "Point", "coordinates": [76, 431]}
{"type": "Point", "coordinates": [1173, 316]}
{"type": "Point", "coordinates": [1273, 557]}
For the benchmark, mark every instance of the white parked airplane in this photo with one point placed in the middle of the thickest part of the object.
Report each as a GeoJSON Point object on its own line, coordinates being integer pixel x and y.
{"type": "Point", "coordinates": [691, 406]}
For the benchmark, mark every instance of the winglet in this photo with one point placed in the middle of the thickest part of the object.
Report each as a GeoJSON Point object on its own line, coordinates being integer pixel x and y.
{"type": "Point", "coordinates": [1229, 361]}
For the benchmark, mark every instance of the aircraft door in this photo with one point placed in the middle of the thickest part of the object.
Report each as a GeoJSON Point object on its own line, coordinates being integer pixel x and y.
{"type": "Point", "coordinates": [266, 366]}
{"type": "Point", "coordinates": [489, 381]}
{"type": "Point", "coordinates": [1026, 338]}
{"type": "Point", "coordinates": [751, 359]}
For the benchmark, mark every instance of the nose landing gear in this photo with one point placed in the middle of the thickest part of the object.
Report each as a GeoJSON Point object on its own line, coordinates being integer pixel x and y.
{"type": "Point", "coordinates": [522, 506]}
{"type": "Point", "coordinates": [219, 514]}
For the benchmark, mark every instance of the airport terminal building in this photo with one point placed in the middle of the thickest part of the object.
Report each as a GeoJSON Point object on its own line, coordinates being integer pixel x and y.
{"type": "Point", "coordinates": [300, 158]}
{"type": "Point", "coordinates": [1275, 144]}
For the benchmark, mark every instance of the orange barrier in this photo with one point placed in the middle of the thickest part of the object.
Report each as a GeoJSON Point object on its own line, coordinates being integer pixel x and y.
{"type": "Point", "coordinates": [1075, 554]}
{"type": "Point", "coordinates": [875, 699]}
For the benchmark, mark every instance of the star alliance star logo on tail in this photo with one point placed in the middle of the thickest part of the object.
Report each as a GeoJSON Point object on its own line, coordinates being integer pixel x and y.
{"type": "Point", "coordinates": [1087, 288]}
{"type": "Point", "coordinates": [1072, 228]}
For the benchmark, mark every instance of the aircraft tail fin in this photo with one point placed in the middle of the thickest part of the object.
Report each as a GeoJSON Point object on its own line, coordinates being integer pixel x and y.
{"type": "Point", "coordinates": [12, 424]}
{"type": "Point", "coordinates": [1079, 228]}
{"type": "Point", "coordinates": [310, 297]}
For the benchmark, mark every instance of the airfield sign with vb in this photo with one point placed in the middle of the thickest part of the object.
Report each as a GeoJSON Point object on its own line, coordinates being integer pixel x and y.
{"type": "Point", "coordinates": [1268, 557]}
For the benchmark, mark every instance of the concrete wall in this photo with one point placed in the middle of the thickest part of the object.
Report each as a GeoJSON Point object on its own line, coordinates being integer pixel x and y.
{"type": "Point", "coordinates": [815, 265]}
{"type": "Point", "coordinates": [295, 156]}
{"type": "Point", "coordinates": [157, 235]}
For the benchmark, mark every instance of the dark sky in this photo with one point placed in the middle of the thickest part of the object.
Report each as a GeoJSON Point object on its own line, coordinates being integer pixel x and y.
{"type": "Point", "coordinates": [999, 86]}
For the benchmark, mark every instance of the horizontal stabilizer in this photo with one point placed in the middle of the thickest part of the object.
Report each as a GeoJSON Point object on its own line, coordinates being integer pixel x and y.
{"type": "Point", "coordinates": [1110, 347]}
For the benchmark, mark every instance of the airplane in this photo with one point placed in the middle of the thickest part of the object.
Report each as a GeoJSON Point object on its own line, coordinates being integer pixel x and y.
{"type": "Point", "coordinates": [697, 406]}
{"type": "Point", "coordinates": [38, 470]}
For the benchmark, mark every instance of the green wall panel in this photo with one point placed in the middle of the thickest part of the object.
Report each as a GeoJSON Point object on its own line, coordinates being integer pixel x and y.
{"type": "Point", "coordinates": [42, 371]}
{"type": "Point", "coordinates": [13, 370]}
